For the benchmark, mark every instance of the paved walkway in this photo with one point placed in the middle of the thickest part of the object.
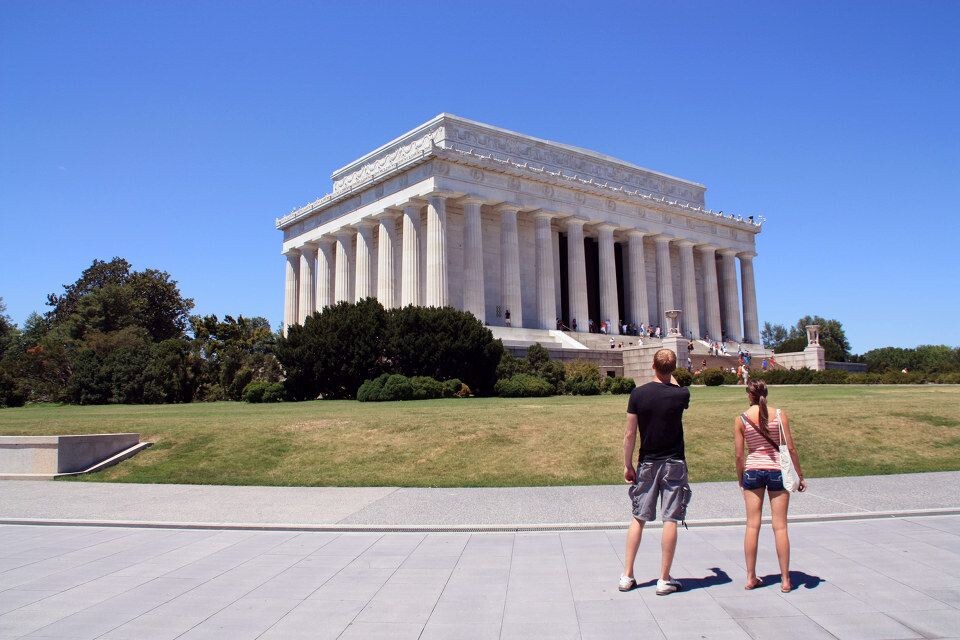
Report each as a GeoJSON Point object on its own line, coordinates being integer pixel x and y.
{"type": "Point", "coordinates": [869, 579]}
{"type": "Point", "coordinates": [391, 508]}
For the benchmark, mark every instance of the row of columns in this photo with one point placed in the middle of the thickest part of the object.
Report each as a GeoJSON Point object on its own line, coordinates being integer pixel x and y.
{"type": "Point", "coordinates": [311, 269]}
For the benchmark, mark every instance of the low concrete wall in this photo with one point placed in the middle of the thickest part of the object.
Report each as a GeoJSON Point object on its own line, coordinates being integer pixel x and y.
{"type": "Point", "coordinates": [852, 367]}
{"type": "Point", "coordinates": [49, 455]}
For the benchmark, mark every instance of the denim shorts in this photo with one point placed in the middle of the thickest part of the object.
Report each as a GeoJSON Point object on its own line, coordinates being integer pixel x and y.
{"type": "Point", "coordinates": [771, 479]}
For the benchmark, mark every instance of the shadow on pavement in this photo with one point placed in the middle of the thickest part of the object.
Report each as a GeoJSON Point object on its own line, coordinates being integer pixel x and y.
{"type": "Point", "coordinates": [797, 578]}
{"type": "Point", "coordinates": [719, 577]}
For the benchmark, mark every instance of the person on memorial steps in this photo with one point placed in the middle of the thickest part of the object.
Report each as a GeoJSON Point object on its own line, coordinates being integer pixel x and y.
{"type": "Point", "coordinates": [758, 436]}
{"type": "Point", "coordinates": [655, 410]}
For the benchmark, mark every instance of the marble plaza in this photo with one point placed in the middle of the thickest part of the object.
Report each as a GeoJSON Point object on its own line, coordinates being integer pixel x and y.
{"type": "Point", "coordinates": [520, 232]}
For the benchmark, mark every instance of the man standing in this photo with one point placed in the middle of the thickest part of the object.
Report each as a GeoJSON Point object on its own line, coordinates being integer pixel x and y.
{"type": "Point", "coordinates": [656, 411]}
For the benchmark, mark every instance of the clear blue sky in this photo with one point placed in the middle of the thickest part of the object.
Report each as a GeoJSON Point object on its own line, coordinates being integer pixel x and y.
{"type": "Point", "coordinates": [173, 133]}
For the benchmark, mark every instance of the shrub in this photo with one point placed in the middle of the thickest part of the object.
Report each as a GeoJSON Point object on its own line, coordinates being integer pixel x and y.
{"type": "Point", "coordinates": [582, 387]}
{"type": "Point", "coordinates": [273, 392]}
{"type": "Point", "coordinates": [581, 378]}
{"type": "Point", "coordinates": [949, 378]}
{"type": "Point", "coordinates": [684, 377]}
{"type": "Point", "coordinates": [451, 388]}
{"type": "Point", "coordinates": [619, 385]}
{"type": "Point", "coordinates": [863, 378]}
{"type": "Point", "coordinates": [396, 387]}
{"type": "Point", "coordinates": [523, 385]}
{"type": "Point", "coordinates": [370, 390]}
{"type": "Point", "coordinates": [425, 388]}
{"type": "Point", "coordinates": [729, 378]}
{"type": "Point", "coordinates": [712, 377]}
{"type": "Point", "coordinates": [829, 376]}
{"type": "Point", "coordinates": [255, 391]}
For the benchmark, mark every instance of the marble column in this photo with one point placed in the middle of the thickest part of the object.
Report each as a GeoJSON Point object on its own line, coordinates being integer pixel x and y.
{"type": "Point", "coordinates": [639, 307]}
{"type": "Point", "coordinates": [291, 289]}
{"type": "Point", "coordinates": [410, 259]}
{"type": "Point", "coordinates": [363, 283]}
{"type": "Point", "coordinates": [731, 299]}
{"type": "Point", "coordinates": [546, 290]}
{"type": "Point", "coordinates": [325, 269]}
{"type": "Point", "coordinates": [436, 291]}
{"type": "Point", "coordinates": [306, 303]}
{"type": "Point", "coordinates": [474, 299]}
{"type": "Point", "coordinates": [664, 282]}
{"type": "Point", "coordinates": [711, 291]}
{"type": "Point", "coordinates": [608, 278]}
{"type": "Point", "coordinates": [751, 322]}
{"type": "Point", "coordinates": [690, 320]}
{"type": "Point", "coordinates": [344, 266]}
{"type": "Point", "coordinates": [510, 265]}
{"type": "Point", "coordinates": [386, 280]}
{"type": "Point", "coordinates": [576, 275]}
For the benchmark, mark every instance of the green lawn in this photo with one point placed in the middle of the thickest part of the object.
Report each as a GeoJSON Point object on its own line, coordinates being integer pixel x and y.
{"type": "Point", "coordinates": [500, 442]}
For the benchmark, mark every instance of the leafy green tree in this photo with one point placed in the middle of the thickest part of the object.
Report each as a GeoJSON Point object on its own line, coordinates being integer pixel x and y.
{"type": "Point", "coordinates": [334, 351]}
{"type": "Point", "coordinates": [109, 296]}
{"type": "Point", "coordinates": [833, 338]}
{"type": "Point", "coordinates": [234, 352]}
{"type": "Point", "coordinates": [8, 330]}
{"type": "Point", "coordinates": [772, 336]}
{"type": "Point", "coordinates": [442, 343]}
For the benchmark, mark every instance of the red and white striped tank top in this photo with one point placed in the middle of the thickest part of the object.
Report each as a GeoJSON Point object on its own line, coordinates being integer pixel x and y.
{"type": "Point", "coordinates": [762, 454]}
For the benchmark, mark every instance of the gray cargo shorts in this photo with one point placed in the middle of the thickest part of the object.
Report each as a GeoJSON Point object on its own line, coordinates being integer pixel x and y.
{"type": "Point", "coordinates": [666, 479]}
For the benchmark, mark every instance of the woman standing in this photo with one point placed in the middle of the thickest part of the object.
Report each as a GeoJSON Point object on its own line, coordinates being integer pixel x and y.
{"type": "Point", "coordinates": [759, 436]}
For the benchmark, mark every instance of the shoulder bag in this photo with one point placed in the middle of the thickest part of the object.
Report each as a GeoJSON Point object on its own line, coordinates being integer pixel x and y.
{"type": "Point", "coordinates": [791, 480]}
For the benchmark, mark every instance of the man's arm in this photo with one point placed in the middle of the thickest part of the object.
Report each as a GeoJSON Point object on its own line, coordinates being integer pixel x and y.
{"type": "Point", "coordinates": [629, 444]}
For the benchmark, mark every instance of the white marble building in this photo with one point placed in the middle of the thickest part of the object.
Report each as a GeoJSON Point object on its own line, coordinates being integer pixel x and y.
{"type": "Point", "coordinates": [464, 214]}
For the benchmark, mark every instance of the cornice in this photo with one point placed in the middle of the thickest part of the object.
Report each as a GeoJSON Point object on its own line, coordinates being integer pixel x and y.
{"type": "Point", "coordinates": [463, 141]}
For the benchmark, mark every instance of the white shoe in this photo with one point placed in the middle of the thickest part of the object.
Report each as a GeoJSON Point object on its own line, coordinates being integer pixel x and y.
{"type": "Point", "coordinates": [627, 583]}
{"type": "Point", "coordinates": [665, 587]}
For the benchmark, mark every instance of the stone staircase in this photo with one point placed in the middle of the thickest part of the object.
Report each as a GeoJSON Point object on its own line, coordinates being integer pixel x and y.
{"type": "Point", "coordinates": [547, 338]}
{"type": "Point", "coordinates": [602, 341]}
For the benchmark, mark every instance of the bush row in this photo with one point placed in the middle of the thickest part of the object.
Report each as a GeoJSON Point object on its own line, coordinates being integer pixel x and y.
{"type": "Point", "coordinates": [716, 377]}
{"type": "Point", "coordinates": [262, 391]}
{"type": "Point", "coordinates": [397, 386]}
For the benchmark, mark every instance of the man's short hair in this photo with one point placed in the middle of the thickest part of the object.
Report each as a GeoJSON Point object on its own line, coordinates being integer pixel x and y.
{"type": "Point", "coordinates": [665, 361]}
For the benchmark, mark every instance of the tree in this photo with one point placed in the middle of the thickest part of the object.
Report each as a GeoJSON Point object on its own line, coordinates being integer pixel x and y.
{"type": "Point", "coordinates": [772, 336]}
{"type": "Point", "coordinates": [334, 351]}
{"type": "Point", "coordinates": [109, 296]}
{"type": "Point", "coordinates": [833, 338]}
{"type": "Point", "coordinates": [443, 343]}
{"type": "Point", "coordinates": [234, 353]}
{"type": "Point", "coordinates": [8, 330]}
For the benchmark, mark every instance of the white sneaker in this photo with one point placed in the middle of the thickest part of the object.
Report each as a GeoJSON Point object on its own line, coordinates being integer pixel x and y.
{"type": "Point", "coordinates": [627, 583]}
{"type": "Point", "coordinates": [665, 587]}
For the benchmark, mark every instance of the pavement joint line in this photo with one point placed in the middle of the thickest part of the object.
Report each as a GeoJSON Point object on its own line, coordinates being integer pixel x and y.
{"type": "Point", "coordinates": [463, 528]}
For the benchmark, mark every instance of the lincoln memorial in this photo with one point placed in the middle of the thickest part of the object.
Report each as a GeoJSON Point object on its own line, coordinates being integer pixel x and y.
{"type": "Point", "coordinates": [463, 214]}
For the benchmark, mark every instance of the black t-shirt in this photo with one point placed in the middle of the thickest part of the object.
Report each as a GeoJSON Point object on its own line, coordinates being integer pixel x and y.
{"type": "Point", "coordinates": [659, 410]}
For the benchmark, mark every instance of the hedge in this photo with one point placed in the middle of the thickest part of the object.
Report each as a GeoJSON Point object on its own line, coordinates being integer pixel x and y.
{"type": "Point", "coordinates": [523, 385]}
{"type": "Point", "coordinates": [390, 387]}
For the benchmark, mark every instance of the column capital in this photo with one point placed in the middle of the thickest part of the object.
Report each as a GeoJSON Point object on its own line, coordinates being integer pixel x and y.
{"type": "Point", "coordinates": [705, 247]}
{"type": "Point", "coordinates": [365, 223]}
{"type": "Point", "coordinates": [604, 227]}
{"type": "Point", "coordinates": [292, 253]}
{"type": "Point", "coordinates": [544, 213]}
{"type": "Point", "coordinates": [726, 251]}
{"type": "Point", "coordinates": [345, 233]}
{"type": "Point", "coordinates": [662, 238]}
{"type": "Point", "coordinates": [508, 207]}
{"type": "Point", "coordinates": [574, 222]}
{"type": "Point", "coordinates": [638, 233]}
{"type": "Point", "coordinates": [472, 199]}
{"type": "Point", "coordinates": [683, 242]}
{"type": "Point", "coordinates": [390, 213]}
{"type": "Point", "coordinates": [443, 193]}
{"type": "Point", "coordinates": [747, 255]}
{"type": "Point", "coordinates": [309, 247]}
{"type": "Point", "coordinates": [414, 203]}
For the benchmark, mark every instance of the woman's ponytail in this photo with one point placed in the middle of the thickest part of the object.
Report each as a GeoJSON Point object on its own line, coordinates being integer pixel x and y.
{"type": "Point", "coordinates": [757, 392]}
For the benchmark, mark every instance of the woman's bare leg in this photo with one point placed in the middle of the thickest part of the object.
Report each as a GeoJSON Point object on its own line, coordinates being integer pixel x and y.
{"type": "Point", "coordinates": [753, 500]}
{"type": "Point", "coordinates": [779, 502]}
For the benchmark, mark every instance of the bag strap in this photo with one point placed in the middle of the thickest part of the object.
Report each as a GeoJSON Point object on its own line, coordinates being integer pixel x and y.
{"type": "Point", "coordinates": [783, 437]}
{"type": "Point", "coordinates": [746, 420]}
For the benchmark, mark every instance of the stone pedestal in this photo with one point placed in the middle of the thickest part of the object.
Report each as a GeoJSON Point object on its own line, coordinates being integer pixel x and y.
{"type": "Point", "coordinates": [677, 344]}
